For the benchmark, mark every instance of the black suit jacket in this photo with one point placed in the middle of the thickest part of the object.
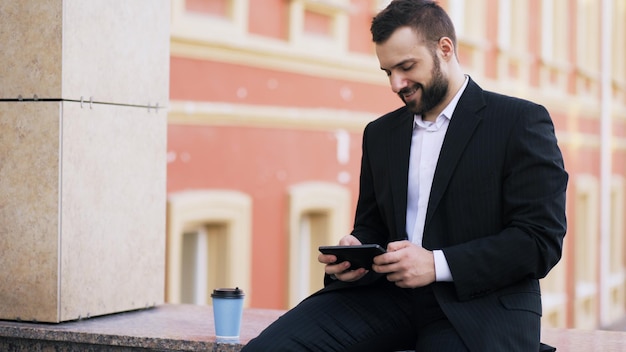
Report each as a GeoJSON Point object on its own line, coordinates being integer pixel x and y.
{"type": "Point", "coordinates": [496, 209]}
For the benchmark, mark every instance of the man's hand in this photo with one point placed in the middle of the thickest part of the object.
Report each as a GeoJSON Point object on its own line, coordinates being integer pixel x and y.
{"type": "Point", "coordinates": [406, 264]}
{"type": "Point", "coordinates": [341, 271]}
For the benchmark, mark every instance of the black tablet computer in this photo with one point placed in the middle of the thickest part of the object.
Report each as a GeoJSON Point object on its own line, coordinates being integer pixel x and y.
{"type": "Point", "coordinates": [359, 256]}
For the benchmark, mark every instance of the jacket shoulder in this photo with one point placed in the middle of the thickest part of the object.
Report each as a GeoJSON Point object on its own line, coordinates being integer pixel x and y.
{"type": "Point", "coordinates": [498, 99]}
{"type": "Point", "coordinates": [391, 118]}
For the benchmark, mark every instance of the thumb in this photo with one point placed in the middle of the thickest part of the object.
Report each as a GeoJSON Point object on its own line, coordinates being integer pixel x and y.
{"type": "Point", "coordinates": [349, 240]}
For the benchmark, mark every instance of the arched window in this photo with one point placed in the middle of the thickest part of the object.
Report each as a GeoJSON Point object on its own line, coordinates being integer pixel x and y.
{"type": "Point", "coordinates": [617, 270]}
{"type": "Point", "coordinates": [586, 252]}
{"type": "Point", "coordinates": [318, 215]}
{"type": "Point", "coordinates": [208, 244]}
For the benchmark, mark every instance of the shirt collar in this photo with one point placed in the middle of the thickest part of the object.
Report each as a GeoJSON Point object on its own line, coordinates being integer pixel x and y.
{"type": "Point", "coordinates": [447, 112]}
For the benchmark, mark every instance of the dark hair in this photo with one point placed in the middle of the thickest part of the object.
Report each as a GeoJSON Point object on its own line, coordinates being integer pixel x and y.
{"type": "Point", "coordinates": [425, 17]}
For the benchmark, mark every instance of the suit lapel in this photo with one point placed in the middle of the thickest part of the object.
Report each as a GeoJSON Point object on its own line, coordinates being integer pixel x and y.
{"type": "Point", "coordinates": [399, 149]}
{"type": "Point", "coordinates": [462, 125]}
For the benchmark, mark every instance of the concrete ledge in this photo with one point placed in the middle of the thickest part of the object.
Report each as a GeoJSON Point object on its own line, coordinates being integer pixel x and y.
{"type": "Point", "coordinates": [571, 340]}
{"type": "Point", "coordinates": [169, 328]}
{"type": "Point", "coordinates": [162, 328]}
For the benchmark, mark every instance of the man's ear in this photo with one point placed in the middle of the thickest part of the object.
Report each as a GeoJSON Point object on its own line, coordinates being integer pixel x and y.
{"type": "Point", "coordinates": [446, 47]}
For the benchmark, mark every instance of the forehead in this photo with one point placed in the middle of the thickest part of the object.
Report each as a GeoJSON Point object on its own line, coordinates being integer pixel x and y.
{"type": "Point", "coordinates": [403, 44]}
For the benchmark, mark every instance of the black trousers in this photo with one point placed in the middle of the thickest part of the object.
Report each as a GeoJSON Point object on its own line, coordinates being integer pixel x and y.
{"type": "Point", "coordinates": [376, 318]}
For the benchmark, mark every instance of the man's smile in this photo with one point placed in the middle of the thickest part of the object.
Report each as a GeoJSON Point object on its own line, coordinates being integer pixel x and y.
{"type": "Point", "coordinates": [408, 92]}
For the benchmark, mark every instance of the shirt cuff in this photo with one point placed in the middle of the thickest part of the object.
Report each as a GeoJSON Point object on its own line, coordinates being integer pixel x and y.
{"type": "Point", "coordinates": [442, 269]}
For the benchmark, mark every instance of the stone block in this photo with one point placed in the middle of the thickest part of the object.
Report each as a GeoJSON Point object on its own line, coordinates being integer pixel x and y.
{"type": "Point", "coordinates": [82, 209]}
{"type": "Point", "coordinates": [113, 51]}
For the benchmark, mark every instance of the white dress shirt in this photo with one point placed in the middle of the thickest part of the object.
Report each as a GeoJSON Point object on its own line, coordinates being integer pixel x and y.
{"type": "Point", "coordinates": [425, 148]}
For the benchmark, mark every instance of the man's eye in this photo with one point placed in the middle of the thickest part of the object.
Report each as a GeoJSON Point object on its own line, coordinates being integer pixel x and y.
{"type": "Point", "coordinates": [407, 68]}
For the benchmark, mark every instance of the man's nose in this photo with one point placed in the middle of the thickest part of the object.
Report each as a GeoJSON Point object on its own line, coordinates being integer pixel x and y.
{"type": "Point", "coordinates": [398, 82]}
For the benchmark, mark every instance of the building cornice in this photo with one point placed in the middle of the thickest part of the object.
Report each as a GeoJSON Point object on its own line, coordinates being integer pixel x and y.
{"type": "Point", "coordinates": [226, 114]}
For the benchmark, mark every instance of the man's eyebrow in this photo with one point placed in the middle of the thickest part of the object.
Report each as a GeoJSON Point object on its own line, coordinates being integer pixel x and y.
{"type": "Point", "coordinates": [401, 63]}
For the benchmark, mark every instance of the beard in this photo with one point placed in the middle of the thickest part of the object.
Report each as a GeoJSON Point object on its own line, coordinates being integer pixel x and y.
{"type": "Point", "coordinates": [432, 94]}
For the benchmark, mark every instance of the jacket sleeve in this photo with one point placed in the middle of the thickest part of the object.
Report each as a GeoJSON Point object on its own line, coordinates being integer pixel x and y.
{"type": "Point", "coordinates": [531, 186]}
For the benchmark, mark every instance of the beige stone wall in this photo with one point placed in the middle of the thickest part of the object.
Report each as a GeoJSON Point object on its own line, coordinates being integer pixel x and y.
{"type": "Point", "coordinates": [82, 157]}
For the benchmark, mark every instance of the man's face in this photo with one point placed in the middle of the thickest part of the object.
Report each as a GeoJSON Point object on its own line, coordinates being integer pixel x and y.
{"type": "Point", "coordinates": [414, 71]}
